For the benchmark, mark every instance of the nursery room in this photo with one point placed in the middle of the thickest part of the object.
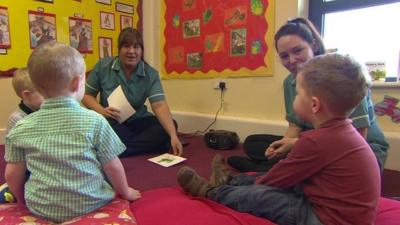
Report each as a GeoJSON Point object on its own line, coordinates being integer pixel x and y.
{"type": "Point", "coordinates": [213, 84]}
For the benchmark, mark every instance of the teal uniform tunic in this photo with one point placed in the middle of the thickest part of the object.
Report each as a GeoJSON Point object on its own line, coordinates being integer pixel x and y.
{"type": "Point", "coordinates": [144, 84]}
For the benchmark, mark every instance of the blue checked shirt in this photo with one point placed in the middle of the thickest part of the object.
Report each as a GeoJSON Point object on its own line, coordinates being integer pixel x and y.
{"type": "Point", "coordinates": [64, 146]}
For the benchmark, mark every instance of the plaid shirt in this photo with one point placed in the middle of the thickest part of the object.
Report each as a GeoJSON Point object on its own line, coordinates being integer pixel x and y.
{"type": "Point", "coordinates": [64, 146]}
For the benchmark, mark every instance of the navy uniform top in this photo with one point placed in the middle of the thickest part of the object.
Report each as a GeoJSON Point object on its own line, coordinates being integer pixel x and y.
{"type": "Point", "coordinates": [144, 84]}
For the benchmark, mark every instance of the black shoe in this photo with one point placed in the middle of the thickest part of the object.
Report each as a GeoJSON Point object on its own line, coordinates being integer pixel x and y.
{"type": "Point", "coordinates": [243, 164]}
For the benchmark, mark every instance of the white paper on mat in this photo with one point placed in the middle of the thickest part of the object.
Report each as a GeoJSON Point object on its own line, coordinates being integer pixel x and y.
{"type": "Point", "coordinates": [117, 99]}
{"type": "Point", "coordinates": [167, 160]}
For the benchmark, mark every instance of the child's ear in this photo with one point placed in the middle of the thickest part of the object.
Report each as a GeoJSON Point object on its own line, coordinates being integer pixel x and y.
{"type": "Point", "coordinates": [75, 83]}
{"type": "Point", "coordinates": [26, 93]}
{"type": "Point", "coordinates": [316, 105]}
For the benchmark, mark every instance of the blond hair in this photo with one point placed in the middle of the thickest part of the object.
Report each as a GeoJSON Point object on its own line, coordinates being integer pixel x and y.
{"type": "Point", "coordinates": [52, 66]}
{"type": "Point", "coordinates": [339, 80]}
{"type": "Point", "coordinates": [21, 81]}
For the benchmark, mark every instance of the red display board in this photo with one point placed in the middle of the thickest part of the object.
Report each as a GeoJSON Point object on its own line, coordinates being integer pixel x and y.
{"type": "Point", "coordinates": [213, 38]}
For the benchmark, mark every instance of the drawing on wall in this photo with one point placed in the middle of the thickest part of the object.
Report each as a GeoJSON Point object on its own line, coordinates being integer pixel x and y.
{"type": "Point", "coordinates": [238, 42]}
{"type": "Point", "coordinates": [126, 21]}
{"type": "Point", "coordinates": [80, 34]}
{"type": "Point", "coordinates": [105, 47]}
{"type": "Point", "coordinates": [236, 16]}
{"type": "Point", "coordinates": [42, 28]}
{"type": "Point", "coordinates": [5, 41]}
{"type": "Point", "coordinates": [106, 2]}
{"type": "Point", "coordinates": [195, 60]}
{"type": "Point", "coordinates": [214, 42]}
{"type": "Point", "coordinates": [189, 4]}
{"type": "Point", "coordinates": [217, 38]}
{"type": "Point", "coordinates": [107, 21]}
{"type": "Point", "coordinates": [191, 28]}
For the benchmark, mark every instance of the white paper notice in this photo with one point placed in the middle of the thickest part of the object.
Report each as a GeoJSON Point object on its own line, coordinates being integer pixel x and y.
{"type": "Point", "coordinates": [167, 160]}
{"type": "Point", "coordinates": [117, 99]}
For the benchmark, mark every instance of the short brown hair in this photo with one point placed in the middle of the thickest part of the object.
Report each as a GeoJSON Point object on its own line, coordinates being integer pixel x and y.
{"type": "Point", "coordinates": [21, 81]}
{"type": "Point", "coordinates": [130, 36]}
{"type": "Point", "coordinates": [339, 80]}
{"type": "Point", "coordinates": [52, 66]}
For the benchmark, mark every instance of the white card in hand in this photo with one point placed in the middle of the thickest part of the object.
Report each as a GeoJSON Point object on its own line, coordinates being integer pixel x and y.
{"type": "Point", "coordinates": [117, 99]}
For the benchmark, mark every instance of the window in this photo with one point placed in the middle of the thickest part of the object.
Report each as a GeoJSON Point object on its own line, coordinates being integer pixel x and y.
{"type": "Point", "coordinates": [365, 29]}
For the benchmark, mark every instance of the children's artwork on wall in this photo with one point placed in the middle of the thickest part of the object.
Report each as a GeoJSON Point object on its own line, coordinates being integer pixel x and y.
{"type": "Point", "coordinates": [107, 21]}
{"type": "Point", "coordinates": [191, 28]}
{"type": "Point", "coordinates": [217, 38]}
{"type": "Point", "coordinates": [105, 47]}
{"type": "Point", "coordinates": [5, 41]}
{"type": "Point", "coordinates": [126, 21]}
{"type": "Point", "coordinates": [125, 8]}
{"type": "Point", "coordinates": [42, 28]}
{"type": "Point", "coordinates": [80, 34]}
{"type": "Point", "coordinates": [106, 2]}
{"type": "Point", "coordinates": [238, 42]}
{"type": "Point", "coordinates": [48, 1]}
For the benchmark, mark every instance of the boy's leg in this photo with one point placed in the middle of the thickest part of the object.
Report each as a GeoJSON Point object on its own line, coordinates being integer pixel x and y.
{"type": "Point", "coordinates": [277, 205]}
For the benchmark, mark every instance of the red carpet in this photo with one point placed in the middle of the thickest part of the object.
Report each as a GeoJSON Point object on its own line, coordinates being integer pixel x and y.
{"type": "Point", "coordinates": [145, 175]}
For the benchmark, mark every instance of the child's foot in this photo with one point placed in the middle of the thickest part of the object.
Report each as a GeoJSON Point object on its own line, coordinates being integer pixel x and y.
{"type": "Point", "coordinates": [220, 173]}
{"type": "Point", "coordinates": [191, 182]}
{"type": "Point", "coordinates": [5, 194]}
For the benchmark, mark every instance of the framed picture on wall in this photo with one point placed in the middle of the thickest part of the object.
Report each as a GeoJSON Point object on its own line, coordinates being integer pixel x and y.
{"type": "Point", "coordinates": [107, 2]}
{"type": "Point", "coordinates": [42, 28]}
{"type": "Point", "coordinates": [105, 47]}
{"type": "Point", "coordinates": [107, 21]}
{"type": "Point", "coordinates": [80, 34]}
{"type": "Point", "coordinates": [49, 1]}
{"type": "Point", "coordinates": [125, 8]}
{"type": "Point", "coordinates": [5, 40]}
{"type": "Point", "coordinates": [126, 21]}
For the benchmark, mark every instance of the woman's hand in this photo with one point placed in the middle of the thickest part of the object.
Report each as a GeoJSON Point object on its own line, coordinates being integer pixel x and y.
{"type": "Point", "coordinates": [176, 145]}
{"type": "Point", "coordinates": [110, 112]}
{"type": "Point", "coordinates": [280, 148]}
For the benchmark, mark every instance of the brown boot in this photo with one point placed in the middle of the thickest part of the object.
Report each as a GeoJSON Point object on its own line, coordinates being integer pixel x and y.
{"type": "Point", "coordinates": [220, 173]}
{"type": "Point", "coordinates": [191, 182]}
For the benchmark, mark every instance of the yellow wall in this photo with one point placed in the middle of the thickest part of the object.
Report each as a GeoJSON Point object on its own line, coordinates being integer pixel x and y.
{"type": "Point", "coordinates": [255, 97]}
{"type": "Point", "coordinates": [19, 31]}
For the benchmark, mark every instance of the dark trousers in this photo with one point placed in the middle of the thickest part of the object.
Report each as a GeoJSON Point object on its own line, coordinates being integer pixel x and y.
{"type": "Point", "coordinates": [284, 207]}
{"type": "Point", "coordinates": [255, 145]}
{"type": "Point", "coordinates": [142, 135]}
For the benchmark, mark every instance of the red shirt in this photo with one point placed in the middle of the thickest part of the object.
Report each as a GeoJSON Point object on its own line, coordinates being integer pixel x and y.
{"type": "Point", "coordinates": [337, 170]}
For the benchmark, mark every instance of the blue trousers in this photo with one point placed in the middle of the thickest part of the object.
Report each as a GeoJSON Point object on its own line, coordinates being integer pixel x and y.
{"type": "Point", "coordinates": [284, 207]}
{"type": "Point", "coordinates": [142, 135]}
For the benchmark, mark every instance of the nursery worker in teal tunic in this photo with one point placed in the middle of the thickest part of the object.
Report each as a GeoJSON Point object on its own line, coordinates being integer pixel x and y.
{"type": "Point", "coordinates": [296, 42]}
{"type": "Point", "coordinates": [142, 132]}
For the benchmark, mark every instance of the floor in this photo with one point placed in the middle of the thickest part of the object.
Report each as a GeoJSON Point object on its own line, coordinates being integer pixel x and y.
{"type": "Point", "coordinates": [145, 175]}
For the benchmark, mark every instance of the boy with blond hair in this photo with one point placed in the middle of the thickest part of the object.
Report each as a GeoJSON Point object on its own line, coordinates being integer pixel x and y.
{"type": "Point", "coordinates": [69, 150]}
{"type": "Point", "coordinates": [31, 100]}
{"type": "Point", "coordinates": [330, 176]}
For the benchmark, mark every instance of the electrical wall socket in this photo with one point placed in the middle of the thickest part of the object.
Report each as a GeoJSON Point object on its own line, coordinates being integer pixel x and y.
{"type": "Point", "coordinates": [216, 84]}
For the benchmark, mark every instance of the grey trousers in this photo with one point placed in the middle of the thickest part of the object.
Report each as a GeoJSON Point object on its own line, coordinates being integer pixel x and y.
{"type": "Point", "coordinates": [284, 207]}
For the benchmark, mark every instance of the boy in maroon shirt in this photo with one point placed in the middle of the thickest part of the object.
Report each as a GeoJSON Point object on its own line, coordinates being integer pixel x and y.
{"type": "Point", "coordinates": [330, 176]}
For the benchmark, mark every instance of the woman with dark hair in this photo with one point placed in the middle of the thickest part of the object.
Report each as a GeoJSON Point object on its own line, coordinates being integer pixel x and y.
{"type": "Point", "coordinates": [142, 132]}
{"type": "Point", "coordinates": [296, 42]}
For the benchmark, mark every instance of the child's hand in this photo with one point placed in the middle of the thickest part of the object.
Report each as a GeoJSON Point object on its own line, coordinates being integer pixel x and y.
{"type": "Point", "coordinates": [280, 148]}
{"type": "Point", "coordinates": [131, 194]}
